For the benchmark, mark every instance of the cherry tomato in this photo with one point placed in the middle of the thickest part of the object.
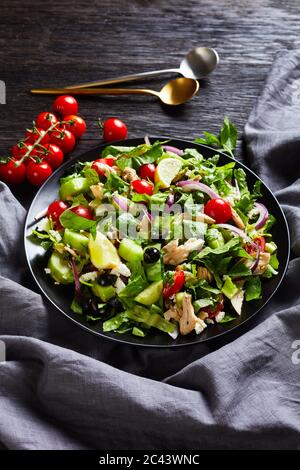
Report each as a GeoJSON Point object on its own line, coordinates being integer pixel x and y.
{"type": "Point", "coordinates": [260, 242]}
{"type": "Point", "coordinates": [114, 129]}
{"type": "Point", "coordinates": [213, 313]}
{"type": "Point", "coordinates": [147, 171]}
{"type": "Point", "coordinates": [176, 286]}
{"type": "Point", "coordinates": [55, 209]}
{"type": "Point", "coordinates": [12, 172]}
{"type": "Point", "coordinates": [77, 125]}
{"type": "Point", "coordinates": [32, 135]}
{"type": "Point", "coordinates": [83, 212]}
{"type": "Point", "coordinates": [142, 187]}
{"type": "Point", "coordinates": [19, 150]}
{"type": "Point", "coordinates": [98, 164]}
{"type": "Point", "coordinates": [219, 210]}
{"type": "Point", "coordinates": [37, 173]}
{"type": "Point", "coordinates": [65, 105]}
{"type": "Point", "coordinates": [64, 139]}
{"type": "Point", "coordinates": [46, 120]}
{"type": "Point", "coordinates": [52, 155]}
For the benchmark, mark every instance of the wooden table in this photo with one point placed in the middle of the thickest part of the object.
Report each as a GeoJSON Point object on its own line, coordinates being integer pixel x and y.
{"type": "Point", "coordinates": [61, 43]}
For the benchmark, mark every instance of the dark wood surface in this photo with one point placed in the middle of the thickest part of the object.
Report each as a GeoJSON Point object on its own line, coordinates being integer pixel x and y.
{"type": "Point", "coordinates": [65, 42]}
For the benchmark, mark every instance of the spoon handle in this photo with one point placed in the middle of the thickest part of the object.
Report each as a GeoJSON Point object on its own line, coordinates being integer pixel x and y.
{"type": "Point", "coordinates": [95, 91]}
{"type": "Point", "coordinates": [124, 78]}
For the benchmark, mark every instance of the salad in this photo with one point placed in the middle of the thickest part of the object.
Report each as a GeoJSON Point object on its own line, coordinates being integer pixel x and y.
{"type": "Point", "coordinates": [156, 238]}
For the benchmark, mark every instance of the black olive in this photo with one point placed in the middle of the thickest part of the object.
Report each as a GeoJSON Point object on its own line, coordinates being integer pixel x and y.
{"type": "Point", "coordinates": [114, 306]}
{"type": "Point", "coordinates": [107, 279]}
{"type": "Point", "coordinates": [90, 307]}
{"type": "Point", "coordinates": [151, 255]}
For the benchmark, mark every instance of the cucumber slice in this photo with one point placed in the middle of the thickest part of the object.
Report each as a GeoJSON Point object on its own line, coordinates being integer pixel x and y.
{"type": "Point", "coordinates": [73, 187]}
{"type": "Point", "coordinates": [130, 251]}
{"type": "Point", "coordinates": [60, 269]}
{"type": "Point", "coordinates": [179, 299]}
{"type": "Point", "coordinates": [76, 240]}
{"type": "Point", "coordinates": [151, 294]}
{"type": "Point", "coordinates": [103, 253]}
{"type": "Point", "coordinates": [103, 292]}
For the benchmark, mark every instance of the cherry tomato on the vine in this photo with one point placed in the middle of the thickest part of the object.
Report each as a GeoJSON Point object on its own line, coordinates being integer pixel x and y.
{"type": "Point", "coordinates": [12, 172]}
{"type": "Point", "coordinates": [147, 171]}
{"type": "Point", "coordinates": [18, 151]}
{"type": "Point", "coordinates": [64, 139]}
{"type": "Point", "coordinates": [98, 164]}
{"type": "Point", "coordinates": [114, 129]}
{"type": "Point", "coordinates": [176, 286]}
{"type": "Point", "coordinates": [46, 120]}
{"type": "Point", "coordinates": [218, 209]}
{"type": "Point", "coordinates": [55, 209]}
{"type": "Point", "coordinates": [32, 135]}
{"type": "Point", "coordinates": [37, 173]}
{"type": "Point", "coordinates": [77, 125]}
{"type": "Point", "coordinates": [142, 187]}
{"type": "Point", "coordinates": [83, 212]}
{"type": "Point", "coordinates": [65, 105]}
{"type": "Point", "coordinates": [53, 155]}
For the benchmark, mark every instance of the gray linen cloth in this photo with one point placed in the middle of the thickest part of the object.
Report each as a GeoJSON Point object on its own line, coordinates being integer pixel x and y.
{"type": "Point", "coordinates": [62, 388]}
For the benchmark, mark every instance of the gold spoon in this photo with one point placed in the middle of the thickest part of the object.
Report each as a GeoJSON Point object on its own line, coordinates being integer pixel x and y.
{"type": "Point", "coordinates": [175, 92]}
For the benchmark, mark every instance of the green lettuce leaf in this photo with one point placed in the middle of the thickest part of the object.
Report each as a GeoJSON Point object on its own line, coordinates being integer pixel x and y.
{"type": "Point", "coordinates": [252, 288]}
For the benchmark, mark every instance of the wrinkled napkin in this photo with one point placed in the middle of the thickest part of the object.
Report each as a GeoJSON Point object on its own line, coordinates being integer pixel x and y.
{"type": "Point", "coordinates": [62, 388]}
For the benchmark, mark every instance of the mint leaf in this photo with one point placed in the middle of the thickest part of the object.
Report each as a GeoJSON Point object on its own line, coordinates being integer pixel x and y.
{"type": "Point", "coordinates": [75, 222]}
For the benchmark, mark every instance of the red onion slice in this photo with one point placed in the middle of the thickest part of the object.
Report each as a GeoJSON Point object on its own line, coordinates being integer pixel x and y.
{"type": "Point", "coordinates": [256, 261]}
{"type": "Point", "coordinates": [170, 200]}
{"type": "Point", "coordinates": [236, 230]}
{"type": "Point", "coordinates": [76, 279]}
{"type": "Point", "coordinates": [192, 185]}
{"type": "Point", "coordinates": [169, 148]}
{"type": "Point", "coordinates": [263, 215]}
{"type": "Point", "coordinates": [121, 202]}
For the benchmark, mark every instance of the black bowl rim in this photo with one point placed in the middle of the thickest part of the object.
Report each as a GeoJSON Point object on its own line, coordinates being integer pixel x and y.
{"type": "Point", "coordinates": [117, 339]}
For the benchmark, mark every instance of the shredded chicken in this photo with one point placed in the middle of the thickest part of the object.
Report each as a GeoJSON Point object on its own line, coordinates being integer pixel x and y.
{"type": "Point", "coordinates": [204, 273]}
{"type": "Point", "coordinates": [106, 169]}
{"type": "Point", "coordinates": [71, 251]}
{"type": "Point", "coordinates": [175, 254]}
{"type": "Point", "coordinates": [200, 217]}
{"type": "Point", "coordinates": [117, 170]}
{"type": "Point", "coordinates": [263, 262]}
{"type": "Point", "coordinates": [173, 313]}
{"type": "Point", "coordinates": [143, 226]}
{"type": "Point", "coordinates": [237, 220]}
{"type": "Point", "coordinates": [97, 190]}
{"type": "Point", "coordinates": [188, 320]}
{"type": "Point", "coordinates": [129, 174]}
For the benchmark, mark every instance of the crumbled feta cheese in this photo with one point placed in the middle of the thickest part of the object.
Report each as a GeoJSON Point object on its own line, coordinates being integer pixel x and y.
{"type": "Point", "coordinates": [119, 285]}
{"type": "Point", "coordinates": [200, 326]}
{"type": "Point", "coordinates": [87, 277]}
{"type": "Point", "coordinates": [219, 317]}
{"type": "Point", "coordinates": [47, 271]}
{"type": "Point", "coordinates": [122, 270]}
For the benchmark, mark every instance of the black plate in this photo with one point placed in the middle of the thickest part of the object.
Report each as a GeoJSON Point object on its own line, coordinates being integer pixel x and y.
{"type": "Point", "coordinates": [61, 296]}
